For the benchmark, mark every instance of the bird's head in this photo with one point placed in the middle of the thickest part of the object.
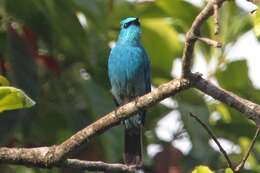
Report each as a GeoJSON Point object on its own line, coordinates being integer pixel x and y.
{"type": "Point", "coordinates": [130, 31]}
{"type": "Point", "coordinates": [130, 21]}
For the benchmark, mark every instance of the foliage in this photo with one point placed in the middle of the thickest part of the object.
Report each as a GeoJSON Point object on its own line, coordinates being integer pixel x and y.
{"type": "Point", "coordinates": [56, 51]}
{"type": "Point", "coordinates": [12, 98]}
{"type": "Point", "coordinates": [202, 169]}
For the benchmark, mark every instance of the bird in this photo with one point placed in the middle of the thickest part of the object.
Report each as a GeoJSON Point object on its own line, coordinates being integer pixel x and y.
{"type": "Point", "coordinates": [129, 75]}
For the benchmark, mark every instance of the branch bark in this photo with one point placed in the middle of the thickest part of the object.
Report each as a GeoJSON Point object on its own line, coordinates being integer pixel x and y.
{"type": "Point", "coordinates": [250, 148]}
{"type": "Point", "coordinates": [214, 139]}
{"type": "Point", "coordinates": [195, 32]}
{"type": "Point", "coordinates": [250, 109]}
{"type": "Point", "coordinates": [97, 166]}
{"type": "Point", "coordinates": [57, 154]}
{"type": "Point", "coordinates": [35, 157]}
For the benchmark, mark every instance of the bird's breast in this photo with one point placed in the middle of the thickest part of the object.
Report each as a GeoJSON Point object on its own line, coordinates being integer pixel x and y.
{"type": "Point", "coordinates": [126, 71]}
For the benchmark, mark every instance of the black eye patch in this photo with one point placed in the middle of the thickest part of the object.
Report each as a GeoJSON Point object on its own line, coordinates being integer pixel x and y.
{"type": "Point", "coordinates": [135, 22]}
{"type": "Point", "coordinates": [126, 25]}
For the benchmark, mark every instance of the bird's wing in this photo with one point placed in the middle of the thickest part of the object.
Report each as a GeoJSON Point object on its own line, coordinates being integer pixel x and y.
{"type": "Point", "coordinates": [147, 73]}
{"type": "Point", "coordinates": [129, 72]}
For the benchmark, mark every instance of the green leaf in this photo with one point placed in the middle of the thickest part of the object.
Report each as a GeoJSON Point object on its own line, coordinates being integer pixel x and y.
{"type": "Point", "coordinates": [191, 101]}
{"type": "Point", "coordinates": [256, 21]}
{"type": "Point", "coordinates": [223, 111]}
{"type": "Point", "coordinates": [151, 9]}
{"type": "Point", "coordinates": [245, 143]}
{"type": "Point", "coordinates": [162, 43]}
{"type": "Point", "coordinates": [236, 72]}
{"type": "Point", "coordinates": [234, 22]}
{"type": "Point", "coordinates": [4, 81]}
{"type": "Point", "coordinates": [175, 10]}
{"type": "Point", "coordinates": [228, 170]}
{"type": "Point", "coordinates": [12, 98]}
{"type": "Point", "coordinates": [202, 169]}
{"type": "Point", "coordinates": [235, 78]}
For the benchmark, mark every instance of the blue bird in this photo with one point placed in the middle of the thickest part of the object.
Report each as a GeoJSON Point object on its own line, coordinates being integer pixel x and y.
{"type": "Point", "coordinates": [129, 75]}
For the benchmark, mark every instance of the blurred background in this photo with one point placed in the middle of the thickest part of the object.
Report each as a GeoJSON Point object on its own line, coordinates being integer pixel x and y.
{"type": "Point", "coordinates": [57, 51]}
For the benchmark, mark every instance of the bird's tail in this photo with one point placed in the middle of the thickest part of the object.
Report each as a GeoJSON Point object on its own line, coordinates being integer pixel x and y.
{"type": "Point", "coordinates": [133, 146]}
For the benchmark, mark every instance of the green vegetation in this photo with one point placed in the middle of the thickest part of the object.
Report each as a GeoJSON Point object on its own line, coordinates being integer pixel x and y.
{"type": "Point", "coordinates": [61, 63]}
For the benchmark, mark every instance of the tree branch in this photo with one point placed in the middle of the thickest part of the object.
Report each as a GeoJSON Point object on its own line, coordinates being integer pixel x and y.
{"type": "Point", "coordinates": [195, 31]}
{"type": "Point", "coordinates": [252, 110]}
{"type": "Point", "coordinates": [230, 164]}
{"type": "Point", "coordinates": [33, 157]}
{"type": "Point", "coordinates": [216, 16]}
{"type": "Point", "coordinates": [97, 166]}
{"type": "Point", "coordinates": [56, 154]}
{"type": "Point", "coordinates": [211, 134]}
{"type": "Point", "coordinates": [243, 161]}
{"type": "Point", "coordinates": [209, 42]}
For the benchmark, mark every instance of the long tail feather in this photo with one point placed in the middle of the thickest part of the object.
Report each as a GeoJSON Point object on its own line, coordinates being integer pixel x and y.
{"type": "Point", "coordinates": [133, 146]}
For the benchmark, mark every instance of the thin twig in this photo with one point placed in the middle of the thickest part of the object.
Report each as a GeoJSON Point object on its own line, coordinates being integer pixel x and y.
{"type": "Point", "coordinates": [214, 138]}
{"type": "Point", "coordinates": [98, 166]}
{"type": "Point", "coordinates": [195, 31]}
{"type": "Point", "coordinates": [216, 16]}
{"type": "Point", "coordinates": [210, 42]}
{"type": "Point", "coordinates": [253, 11]}
{"type": "Point", "coordinates": [243, 161]}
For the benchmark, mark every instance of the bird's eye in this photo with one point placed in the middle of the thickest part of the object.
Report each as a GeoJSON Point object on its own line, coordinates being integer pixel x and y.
{"type": "Point", "coordinates": [126, 25]}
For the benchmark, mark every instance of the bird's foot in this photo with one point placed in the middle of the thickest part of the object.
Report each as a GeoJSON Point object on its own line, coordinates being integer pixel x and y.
{"type": "Point", "coordinates": [136, 102]}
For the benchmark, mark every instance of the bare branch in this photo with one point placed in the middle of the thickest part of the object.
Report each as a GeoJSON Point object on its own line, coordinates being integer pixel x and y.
{"type": "Point", "coordinates": [55, 155]}
{"type": "Point", "coordinates": [195, 31]}
{"type": "Point", "coordinates": [28, 157]}
{"type": "Point", "coordinates": [216, 17]}
{"type": "Point", "coordinates": [210, 42]}
{"type": "Point", "coordinates": [97, 166]}
{"type": "Point", "coordinates": [215, 140]}
{"type": "Point", "coordinates": [163, 91]}
{"type": "Point", "coordinates": [247, 107]}
{"type": "Point", "coordinates": [24, 156]}
{"type": "Point", "coordinates": [243, 161]}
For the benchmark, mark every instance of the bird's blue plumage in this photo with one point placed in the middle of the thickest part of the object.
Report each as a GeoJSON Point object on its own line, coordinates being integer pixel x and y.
{"type": "Point", "coordinates": [129, 74]}
{"type": "Point", "coordinates": [129, 67]}
{"type": "Point", "coordinates": [128, 20]}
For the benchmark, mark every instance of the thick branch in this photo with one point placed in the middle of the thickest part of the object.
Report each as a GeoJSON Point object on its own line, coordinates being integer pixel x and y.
{"type": "Point", "coordinates": [35, 157]}
{"type": "Point", "coordinates": [24, 156]}
{"type": "Point", "coordinates": [55, 155]}
{"type": "Point", "coordinates": [247, 107]}
{"type": "Point", "coordinates": [113, 118]}
{"type": "Point", "coordinates": [193, 32]}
